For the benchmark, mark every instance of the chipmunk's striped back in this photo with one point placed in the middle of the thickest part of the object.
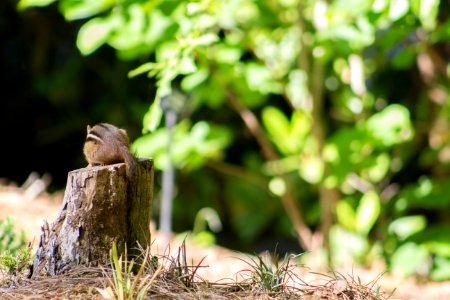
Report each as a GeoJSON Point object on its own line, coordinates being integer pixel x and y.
{"type": "Point", "coordinates": [107, 144]}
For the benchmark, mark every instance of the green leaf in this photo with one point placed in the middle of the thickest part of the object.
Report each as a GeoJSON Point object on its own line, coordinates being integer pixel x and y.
{"type": "Point", "coordinates": [80, 9]}
{"type": "Point", "coordinates": [193, 80]}
{"type": "Point", "coordinates": [426, 194]}
{"type": "Point", "coordinates": [435, 238]}
{"type": "Point", "coordinates": [288, 135]}
{"type": "Point", "coordinates": [153, 117]}
{"type": "Point", "coordinates": [260, 79]}
{"type": "Point", "coordinates": [144, 68]}
{"type": "Point", "coordinates": [367, 212]}
{"type": "Point", "coordinates": [95, 33]}
{"type": "Point", "coordinates": [406, 226]}
{"type": "Point", "coordinates": [191, 148]}
{"type": "Point", "coordinates": [398, 8]}
{"type": "Point", "coordinates": [348, 150]}
{"type": "Point", "coordinates": [204, 239]}
{"type": "Point", "coordinates": [227, 54]}
{"type": "Point", "coordinates": [131, 32]}
{"type": "Point", "coordinates": [187, 65]}
{"type": "Point", "coordinates": [380, 167]}
{"type": "Point", "coordinates": [311, 169]}
{"type": "Point", "coordinates": [276, 124]}
{"type": "Point", "coordinates": [301, 123]}
{"type": "Point", "coordinates": [23, 4]}
{"type": "Point", "coordinates": [205, 40]}
{"type": "Point", "coordinates": [205, 141]}
{"type": "Point", "coordinates": [391, 126]}
{"type": "Point", "coordinates": [409, 258]}
{"type": "Point", "coordinates": [346, 215]}
{"type": "Point", "coordinates": [159, 24]}
{"type": "Point", "coordinates": [347, 246]}
{"type": "Point", "coordinates": [153, 145]}
{"type": "Point", "coordinates": [297, 89]}
{"type": "Point", "coordinates": [441, 269]}
{"type": "Point", "coordinates": [277, 186]}
{"type": "Point", "coordinates": [427, 10]}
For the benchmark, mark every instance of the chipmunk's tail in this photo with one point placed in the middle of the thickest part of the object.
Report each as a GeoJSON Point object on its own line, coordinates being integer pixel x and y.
{"type": "Point", "coordinates": [131, 163]}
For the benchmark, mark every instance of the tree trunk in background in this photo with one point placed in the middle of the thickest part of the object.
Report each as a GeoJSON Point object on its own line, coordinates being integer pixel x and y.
{"type": "Point", "coordinates": [99, 207]}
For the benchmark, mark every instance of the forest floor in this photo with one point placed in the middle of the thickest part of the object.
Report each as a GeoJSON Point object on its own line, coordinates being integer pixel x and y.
{"type": "Point", "coordinates": [217, 265]}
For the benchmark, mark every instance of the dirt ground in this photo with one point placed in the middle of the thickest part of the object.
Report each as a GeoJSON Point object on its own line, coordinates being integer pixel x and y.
{"type": "Point", "coordinates": [219, 263]}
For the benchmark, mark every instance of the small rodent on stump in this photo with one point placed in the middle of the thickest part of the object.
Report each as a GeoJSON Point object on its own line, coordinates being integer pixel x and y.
{"type": "Point", "coordinates": [107, 144]}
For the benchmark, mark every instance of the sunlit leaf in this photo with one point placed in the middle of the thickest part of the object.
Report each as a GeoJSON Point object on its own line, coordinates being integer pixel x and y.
{"type": "Point", "coordinates": [227, 54]}
{"type": "Point", "coordinates": [391, 126]}
{"type": "Point", "coordinates": [347, 246]}
{"type": "Point", "coordinates": [277, 186]}
{"type": "Point", "coordinates": [191, 81]}
{"type": "Point", "coordinates": [297, 89]}
{"type": "Point", "coordinates": [427, 11]}
{"type": "Point", "coordinates": [204, 239]}
{"type": "Point", "coordinates": [380, 169]}
{"type": "Point", "coordinates": [367, 212]}
{"type": "Point", "coordinates": [170, 50]}
{"type": "Point", "coordinates": [205, 40]}
{"type": "Point", "coordinates": [282, 166]}
{"type": "Point", "coordinates": [409, 258]}
{"type": "Point", "coordinates": [151, 145]}
{"type": "Point", "coordinates": [260, 79]}
{"type": "Point", "coordinates": [301, 123]}
{"type": "Point", "coordinates": [153, 117]}
{"type": "Point", "coordinates": [187, 65]}
{"type": "Point", "coordinates": [288, 135]}
{"type": "Point", "coordinates": [23, 4]}
{"type": "Point", "coordinates": [276, 124]}
{"type": "Point", "coordinates": [441, 270]}
{"type": "Point", "coordinates": [74, 10]}
{"type": "Point", "coordinates": [311, 169]}
{"type": "Point", "coordinates": [95, 33]}
{"type": "Point", "coordinates": [398, 8]}
{"type": "Point", "coordinates": [191, 147]}
{"type": "Point", "coordinates": [405, 226]}
{"type": "Point", "coordinates": [132, 30]}
{"type": "Point", "coordinates": [351, 36]}
{"type": "Point", "coordinates": [346, 215]}
{"type": "Point", "coordinates": [144, 68]}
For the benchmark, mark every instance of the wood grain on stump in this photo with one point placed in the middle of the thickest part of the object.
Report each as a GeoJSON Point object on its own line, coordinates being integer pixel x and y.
{"type": "Point", "coordinates": [100, 206]}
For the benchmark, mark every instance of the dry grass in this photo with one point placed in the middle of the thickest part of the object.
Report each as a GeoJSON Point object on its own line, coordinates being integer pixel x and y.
{"type": "Point", "coordinates": [171, 277]}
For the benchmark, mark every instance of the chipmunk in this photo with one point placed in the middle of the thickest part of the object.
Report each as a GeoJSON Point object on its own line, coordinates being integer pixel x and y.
{"type": "Point", "coordinates": [107, 144]}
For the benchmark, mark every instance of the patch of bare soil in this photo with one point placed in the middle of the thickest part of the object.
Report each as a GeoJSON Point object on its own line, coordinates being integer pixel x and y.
{"type": "Point", "coordinates": [218, 268]}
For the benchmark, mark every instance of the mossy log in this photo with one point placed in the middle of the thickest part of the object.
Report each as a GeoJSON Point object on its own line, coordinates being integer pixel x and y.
{"type": "Point", "coordinates": [100, 207]}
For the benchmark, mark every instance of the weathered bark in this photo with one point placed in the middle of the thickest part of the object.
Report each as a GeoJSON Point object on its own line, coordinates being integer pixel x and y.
{"type": "Point", "coordinates": [100, 206]}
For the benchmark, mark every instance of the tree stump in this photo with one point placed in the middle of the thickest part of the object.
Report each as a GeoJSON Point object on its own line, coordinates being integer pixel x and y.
{"type": "Point", "coordinates": [100, 207]}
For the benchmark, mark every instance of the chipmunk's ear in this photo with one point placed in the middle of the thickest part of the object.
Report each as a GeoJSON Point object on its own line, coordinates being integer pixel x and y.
{"type": "Point", "coordinates": [88, 129]}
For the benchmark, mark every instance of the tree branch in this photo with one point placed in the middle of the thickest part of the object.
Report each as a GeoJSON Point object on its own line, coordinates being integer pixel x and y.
{"type": "Point", "coordinates": [288, 200]}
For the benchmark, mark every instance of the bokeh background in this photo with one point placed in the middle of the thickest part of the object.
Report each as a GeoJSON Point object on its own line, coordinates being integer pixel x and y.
{"type": "Point", "coordinates": [302, 125]}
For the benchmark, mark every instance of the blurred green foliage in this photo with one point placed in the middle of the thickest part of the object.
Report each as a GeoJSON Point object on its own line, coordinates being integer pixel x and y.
{"type": "Point", "coordinates": [333, 113]}
{"type": "Point", "coordinates": [11, 240]}
{"type": "Point", "coordinates": [15, 255]}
